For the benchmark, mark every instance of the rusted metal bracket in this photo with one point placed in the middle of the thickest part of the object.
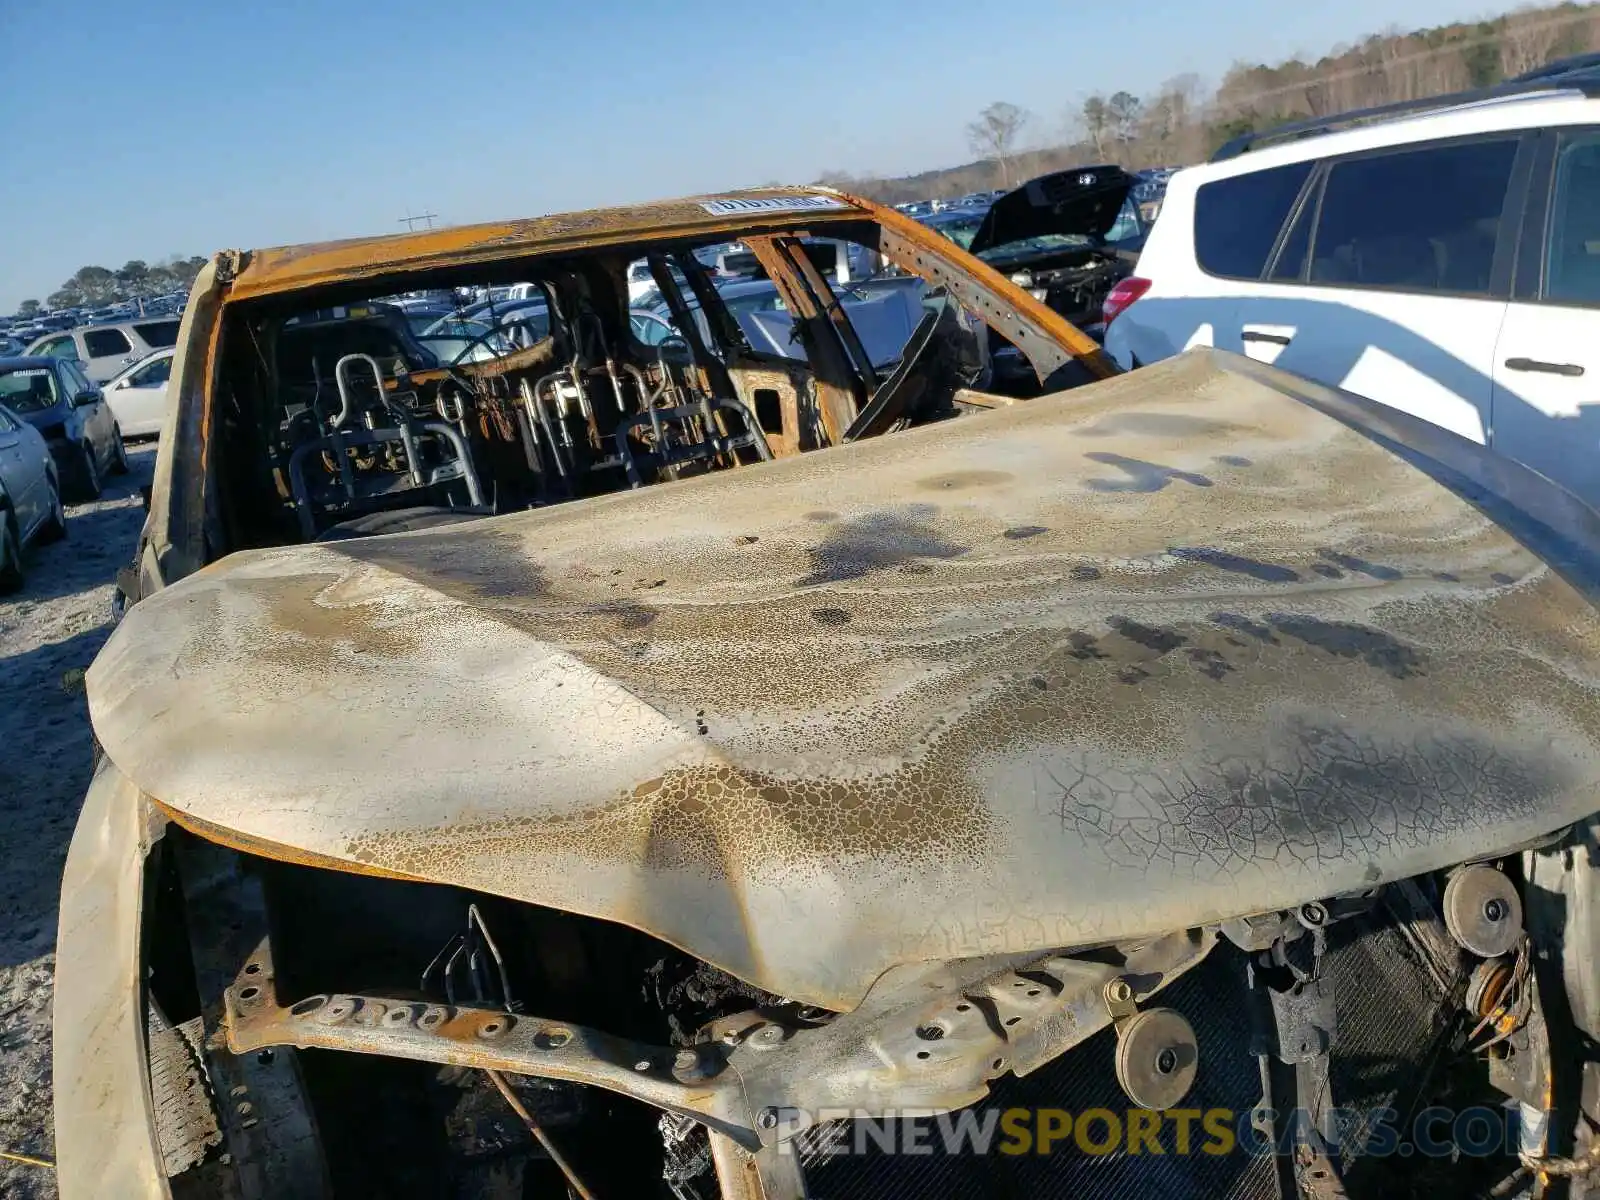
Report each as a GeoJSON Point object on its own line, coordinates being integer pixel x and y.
{"type": "Point", "coordinates": [840, 391]}
{"type": "Point", "coordinates": [819, 287]}
{"type": "Point", "coordinates": [230, 263]}
{"type": "Point", "coordinates": [927, 1036]}
{"type": "Point", "coordinates": [486, 1038]}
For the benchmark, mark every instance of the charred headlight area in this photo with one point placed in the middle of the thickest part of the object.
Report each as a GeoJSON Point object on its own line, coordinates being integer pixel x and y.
{"type": "Point", "coordinates": [362, 1124]}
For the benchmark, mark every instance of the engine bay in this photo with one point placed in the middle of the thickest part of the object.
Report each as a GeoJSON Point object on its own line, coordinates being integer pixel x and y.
{"type": "Point", "coordinates": [1328, 1042]}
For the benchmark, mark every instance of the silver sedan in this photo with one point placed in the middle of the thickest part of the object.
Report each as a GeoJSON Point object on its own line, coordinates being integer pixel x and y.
{"type": "Point", "coordinates": [30, 496]}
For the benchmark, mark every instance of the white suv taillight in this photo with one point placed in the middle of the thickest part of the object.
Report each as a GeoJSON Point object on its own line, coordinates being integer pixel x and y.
{"type": "Point", "coordinates": [1119, 297]}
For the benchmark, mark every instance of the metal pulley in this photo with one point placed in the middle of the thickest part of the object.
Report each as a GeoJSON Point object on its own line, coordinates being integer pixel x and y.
{"type": "Point", "coordinates": [1482, 911]}
{"type": "Point", "coordinates": [1158, 1055]}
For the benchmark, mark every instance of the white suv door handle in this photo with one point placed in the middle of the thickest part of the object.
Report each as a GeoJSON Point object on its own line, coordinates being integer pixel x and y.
{"type": "Point", "coordinates": [1544, 368]}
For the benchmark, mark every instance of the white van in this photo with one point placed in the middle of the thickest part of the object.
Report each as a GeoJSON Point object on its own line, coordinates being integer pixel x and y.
{"type": "Point", "coordinates": [1445, 262]}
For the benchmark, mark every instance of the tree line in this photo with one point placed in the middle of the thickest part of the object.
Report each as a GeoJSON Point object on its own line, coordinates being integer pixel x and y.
{"type": "Point", "coordinates": [95, 286]}
{"type": "Point", "coordinates": [1184, 121]}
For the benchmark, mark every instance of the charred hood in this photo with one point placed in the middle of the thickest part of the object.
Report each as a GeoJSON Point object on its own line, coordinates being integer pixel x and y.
{"type": "Point", "coordinates": [1198, 641]}
{"type": "Point", "coordinates": [1079, 202]}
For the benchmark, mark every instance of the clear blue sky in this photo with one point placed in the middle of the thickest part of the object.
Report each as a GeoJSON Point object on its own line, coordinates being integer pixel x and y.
{"type": "Point", "coordinates": [192, 125]}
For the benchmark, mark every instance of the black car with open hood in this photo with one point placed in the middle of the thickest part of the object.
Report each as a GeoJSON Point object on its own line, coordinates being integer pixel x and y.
{"type": "Point", "coordinates": [1068, 237]}
{"type": "Point", "coordinates": [1082, 207]}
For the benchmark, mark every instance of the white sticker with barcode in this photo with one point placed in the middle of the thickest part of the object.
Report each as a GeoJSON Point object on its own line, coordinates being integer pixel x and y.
{"type": "Point", "coordinates": [766, 204]}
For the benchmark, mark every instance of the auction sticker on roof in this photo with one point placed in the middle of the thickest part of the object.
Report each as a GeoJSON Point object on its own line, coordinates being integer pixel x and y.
{"type": "Point", "coordinates": [766, 204]}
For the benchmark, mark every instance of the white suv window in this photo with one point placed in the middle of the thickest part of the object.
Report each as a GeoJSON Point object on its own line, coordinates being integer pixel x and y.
{"type": "Point", "coordinates": [1572, 268]}
{"type": "Point", "coordinates": [1236, 221]}
{"type": "Point", "coordinates": [1420, 220]}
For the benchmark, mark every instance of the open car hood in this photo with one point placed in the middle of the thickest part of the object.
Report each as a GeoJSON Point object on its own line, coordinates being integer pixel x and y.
{"type": "Point", "coordinates": [1175, 647]}
{"type": "Point", "coordinates": [1080, 202]}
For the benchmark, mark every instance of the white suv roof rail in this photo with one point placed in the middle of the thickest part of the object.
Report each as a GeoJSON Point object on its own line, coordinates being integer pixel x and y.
{"type": "Point", "coordinates": [1578, 74]}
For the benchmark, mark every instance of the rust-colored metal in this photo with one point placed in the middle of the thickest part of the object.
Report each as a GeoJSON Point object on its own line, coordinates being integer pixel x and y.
{"type": "Point", "coordinates": [539, 1134]}
{"type": "Point", "coordinates": [1045, 349]}
{"type": "Point", "coordinates": [283, 269]}
{"type": "Point", "coordinates": [772, 1173]}
{"type": "Point", "coordinates": [839, 388]}
{"type": "Point", "coordinates": [848, 338]}
{"type": "Point", "coordinates": [908, 239]}
{"type": "Point", "coordinates": [786, 381]}
{"type": "Point", "coordinates": [294, 268]}
{"type": "Point", "coordinates": [262, 848]}
{"type": "Point", "coordinates": [795, 296]}
{"type": "Point", "coordinates": [176, 525]}
{"type": "Point", "coordinates": [486, 1039]}
{"type": "Point", "coordinates": [755, 1081]}
{"type": "Point", "coordinates": [540, 354]}
{"type": "Point", "coordinates": [967, 398]}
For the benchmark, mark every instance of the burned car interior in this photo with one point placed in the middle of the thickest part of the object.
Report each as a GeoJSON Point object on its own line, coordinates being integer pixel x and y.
{"type": "Point", "coordinates": [336, 413]}
{"type": "Point", "coordinates": [590, 768]}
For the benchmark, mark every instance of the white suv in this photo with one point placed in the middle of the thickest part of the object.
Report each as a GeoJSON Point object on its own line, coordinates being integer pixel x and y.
{"type": "Point", "coordinates": [1446, 263]}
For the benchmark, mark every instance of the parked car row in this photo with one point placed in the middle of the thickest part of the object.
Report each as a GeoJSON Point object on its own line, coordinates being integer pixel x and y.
{"type": "Point", "coordinates": [28, 329]}
{"type": "Point", "coordinates": [30, 496]}
{"type": "Point", "coordinates": [58, 436]}
{"type": "Point", "coordinates": [107, 350]}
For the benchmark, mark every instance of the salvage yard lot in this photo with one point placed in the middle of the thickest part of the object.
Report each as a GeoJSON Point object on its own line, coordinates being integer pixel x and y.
{"type": "Point", "coordinates": [49, 632]}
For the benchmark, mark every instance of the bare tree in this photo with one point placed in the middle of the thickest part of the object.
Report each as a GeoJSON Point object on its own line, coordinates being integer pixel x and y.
{"type": "Point", "coordinates": [994, 134]}
{"type": "Point", "coordinates": [1184, 97]}
{"type": "Point", "coordinates": [1097, 123]}
{"type": "Point", "coordinates": [1528, 40]}
{"type": "Point", "coordinates": [1124, 109]}
{"type": "Point", "coordinates": [1183, 120]}
{"type": "Point", "coordinates": [1395, 59]}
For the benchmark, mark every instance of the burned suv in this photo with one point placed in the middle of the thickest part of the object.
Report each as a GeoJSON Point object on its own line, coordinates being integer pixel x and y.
{"type": "Point", "coordinates": [606, 769]}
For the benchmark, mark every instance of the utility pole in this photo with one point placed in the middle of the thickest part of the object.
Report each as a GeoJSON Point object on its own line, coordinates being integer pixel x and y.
{"type": "Point", "coordinates": [410, 222]}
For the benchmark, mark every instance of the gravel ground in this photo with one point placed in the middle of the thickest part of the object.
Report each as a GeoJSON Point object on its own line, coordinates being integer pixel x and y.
{"type": "Point", "coordinates": [49, 632]}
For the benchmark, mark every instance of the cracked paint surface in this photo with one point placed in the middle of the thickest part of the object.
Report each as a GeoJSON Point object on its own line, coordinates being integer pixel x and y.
{"type": "Point", "coordinates": [1167, 649]}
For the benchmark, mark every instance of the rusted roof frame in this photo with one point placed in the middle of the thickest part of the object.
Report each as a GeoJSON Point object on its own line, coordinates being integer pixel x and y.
{"type": "Point", "coordinates": [840, 390]}
{"type": "Point", "coordinates": [1028, 323]}
{"type": "Point", "coordinates": [294, 268]}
